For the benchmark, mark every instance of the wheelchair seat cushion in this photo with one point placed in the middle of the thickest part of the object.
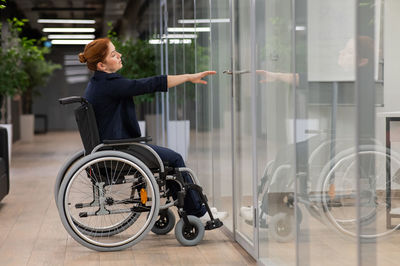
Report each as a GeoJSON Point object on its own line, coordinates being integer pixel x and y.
{"type": "Point", "coordinates": [143, 154]}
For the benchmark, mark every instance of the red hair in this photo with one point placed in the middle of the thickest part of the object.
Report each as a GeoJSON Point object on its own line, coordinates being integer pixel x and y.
{"type": "Point", "coordinates": [95, 52]}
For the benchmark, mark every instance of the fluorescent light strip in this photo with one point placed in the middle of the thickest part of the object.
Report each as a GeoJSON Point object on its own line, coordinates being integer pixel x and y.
{"type": "Point", "coordinates": [73, 62]}
{"type": "Point", "coordinates": [213, 20]}
{"type": "Point", "coordinates": [300, 28]}
{"type": "Point", "coordinates": [77, 79]}
{"type": "Point", "coordinates": [69, 29]}
{"type": "Point", "coordinates": [76, 42]}
{"type": "Point", "coordinates": [171, 41]}
{"type": "Point", "coordinates": [70, 36]}
{"type": "Point", "coordinates": [179, 36]}
{"type": "Point", "coordinates": [180, 41]}
{"type": "Point", "coordinates": [198, 29]}
{"type": "Point", "coordinates": [70, 21]}
{"type": "Point", "coordinates": [71, 56]}
{"type": "Point", "coordinates": [76, 72]}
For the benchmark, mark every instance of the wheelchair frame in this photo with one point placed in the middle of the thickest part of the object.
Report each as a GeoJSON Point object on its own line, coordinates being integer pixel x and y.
{"type": "Point", "coordinates": [88, 178]}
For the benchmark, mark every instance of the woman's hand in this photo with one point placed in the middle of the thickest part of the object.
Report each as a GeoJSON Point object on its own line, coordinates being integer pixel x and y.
{"type": "Point", "coordinates": [175, 80]}
{"type": "Point", "coordinates": [197, 77]}
{"type": "Point", "coordinates": [267, 76]}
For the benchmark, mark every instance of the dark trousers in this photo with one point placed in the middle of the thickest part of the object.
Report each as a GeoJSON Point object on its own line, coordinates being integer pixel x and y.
{"type": "Point", "coordinates": [193, 205]}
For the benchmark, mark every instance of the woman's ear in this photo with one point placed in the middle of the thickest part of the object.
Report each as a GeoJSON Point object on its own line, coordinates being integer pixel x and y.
{"type": "Point", "coordinates": [101, 66]}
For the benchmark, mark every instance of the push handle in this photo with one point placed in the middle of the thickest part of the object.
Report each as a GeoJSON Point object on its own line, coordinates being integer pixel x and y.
{"type": "Point", "coordinates": [238, 72]}
{"type": "Point", "coordinates": [72, 99]}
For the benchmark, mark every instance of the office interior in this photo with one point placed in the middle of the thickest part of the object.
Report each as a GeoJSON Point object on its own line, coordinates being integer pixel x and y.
{"type": "Point", "coordinates": [296, 136]}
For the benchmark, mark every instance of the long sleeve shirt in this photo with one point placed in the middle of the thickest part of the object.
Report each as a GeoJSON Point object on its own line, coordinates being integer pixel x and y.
{"type": "Point", "coordinates": [111, 96]}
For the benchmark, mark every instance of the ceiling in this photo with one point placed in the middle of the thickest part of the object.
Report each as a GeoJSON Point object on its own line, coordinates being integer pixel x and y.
{"type": "Point", "coordinates": [102, 11]}
{"type": "Point", "coordinates": [130, 18]}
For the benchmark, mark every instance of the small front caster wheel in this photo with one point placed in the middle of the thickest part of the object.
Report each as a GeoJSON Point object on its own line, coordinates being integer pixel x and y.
{"type": "Point", "coordinates": [165, 223]}
{"type": "Point", "coordinates": [191, 234]}
{"type": "Point", "coordinates": [282, 227]}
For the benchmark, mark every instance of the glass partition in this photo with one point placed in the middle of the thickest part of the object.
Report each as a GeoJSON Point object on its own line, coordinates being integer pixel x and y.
{"type": "Point", "coordinates": [326, 127]}
{"type": "Point", "coordinates": [305, 106]}
{"type": "Point", "coordinates": [275, 119]}
{"type": "Point", "coordinates": [221, 99]}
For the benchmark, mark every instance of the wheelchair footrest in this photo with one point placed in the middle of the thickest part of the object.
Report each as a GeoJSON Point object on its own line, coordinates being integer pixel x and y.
{"type": "Point", "coordinates": [213, 224]}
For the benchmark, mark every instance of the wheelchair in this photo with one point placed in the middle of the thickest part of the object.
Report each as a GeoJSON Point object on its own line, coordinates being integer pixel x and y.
{"type": "Point", "coordinates": [111, 194]}
{"type": "Point", "coordinates": [332, 198]}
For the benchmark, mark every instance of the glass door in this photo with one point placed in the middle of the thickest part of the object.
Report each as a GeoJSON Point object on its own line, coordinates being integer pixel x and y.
{"type": "Point", "coordinates": [243, 126]}
{"type": "Point", "coordinates": [221, 84]}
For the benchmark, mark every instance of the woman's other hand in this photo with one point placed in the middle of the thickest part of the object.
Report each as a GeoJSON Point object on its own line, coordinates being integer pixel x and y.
{"type": "Point", "coordinates": [197, 77]}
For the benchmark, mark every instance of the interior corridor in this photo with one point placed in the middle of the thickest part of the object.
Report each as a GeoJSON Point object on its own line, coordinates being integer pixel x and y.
{"type": "Point", "coordinates": [31, 232]}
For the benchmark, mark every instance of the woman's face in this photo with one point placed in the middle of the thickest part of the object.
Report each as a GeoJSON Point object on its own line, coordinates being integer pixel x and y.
{"type": "Point", "coordinates": [112, 63]}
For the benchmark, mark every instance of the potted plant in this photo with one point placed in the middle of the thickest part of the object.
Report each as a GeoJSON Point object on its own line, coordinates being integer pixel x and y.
{"type": "Point", "coordinates": [38, 70]}
{"type": "Point", "coordinates": [13, 79]}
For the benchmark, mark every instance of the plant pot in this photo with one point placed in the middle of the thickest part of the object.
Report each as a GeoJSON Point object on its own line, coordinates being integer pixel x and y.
{"type": "Point", "coordinates": [142, 125]}
{"type": "Point", "coordinates": [152, 129]}
{"type": "Point", "coordinates": [27, 127]}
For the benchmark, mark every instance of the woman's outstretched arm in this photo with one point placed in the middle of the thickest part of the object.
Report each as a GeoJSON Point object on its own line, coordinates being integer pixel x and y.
{"type": "Point", "coordinates": [175, 80]}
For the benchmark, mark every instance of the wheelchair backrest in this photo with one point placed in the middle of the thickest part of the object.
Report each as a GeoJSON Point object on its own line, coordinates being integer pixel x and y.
{"type": "Point", "coordinates": [87, 125]}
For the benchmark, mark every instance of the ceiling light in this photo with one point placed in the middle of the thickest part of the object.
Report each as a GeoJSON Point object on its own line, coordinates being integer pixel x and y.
{"type": "Point", "coordinates": [198, 29]}
{"type": "Point", "coordinates": [69, 29]}
{"type": "Point", "coordinates": [69, 21]}
{"type": "Point", "coordinates": [300, 28]}
{"type": "Point", "coordinates": [73, 42]}
{"type": "Point", "coordinates": [70, 36]}
{"type": "Point", "coordinates": [179, 36]}
{"type": "Point", "coordinates": [171, 41]}
{"type": "Point", "coordinates": [213, 20]}
{"type": "Point", "coordinates": [77, 79]}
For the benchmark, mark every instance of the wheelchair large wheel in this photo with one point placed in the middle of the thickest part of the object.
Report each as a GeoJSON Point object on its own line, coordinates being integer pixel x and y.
{"type": "Point", "coordinates": [339, 191]}
{"type": "Point", "coordinates": [102, 197]}
{"type": "Point", "coordinates": [66, 166]}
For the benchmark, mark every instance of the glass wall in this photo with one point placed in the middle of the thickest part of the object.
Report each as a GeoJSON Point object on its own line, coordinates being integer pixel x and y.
{"type": "Point", "coordinates": [275, 127]}
{"type": "Point", "coordinates": [296, 136]}
{"type": "Point", "coordinates": [221, 99]}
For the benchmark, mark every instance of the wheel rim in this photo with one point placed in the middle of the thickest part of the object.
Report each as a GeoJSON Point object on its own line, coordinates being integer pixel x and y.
{"type": "Point", "coordinates": [374, 201]}
{"type": "Point", "coordinates": [190, 232]}
{"type": "Point", "coordinates": [283, 227]}
{"type": "Point", "coordinates": [117, 197]}
{"type": "Point", "coordinates": [162, 222]}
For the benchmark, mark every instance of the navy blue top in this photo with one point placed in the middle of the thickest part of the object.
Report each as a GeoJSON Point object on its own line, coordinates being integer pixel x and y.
{"type": "Point", "coordinates": [111, 97]}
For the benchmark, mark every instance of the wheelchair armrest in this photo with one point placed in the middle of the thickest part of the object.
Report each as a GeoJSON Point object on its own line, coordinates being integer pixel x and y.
{"type": "Point", "coordinates": [126, 141]}
{"type": "Point", "coordinates": [72, 99]}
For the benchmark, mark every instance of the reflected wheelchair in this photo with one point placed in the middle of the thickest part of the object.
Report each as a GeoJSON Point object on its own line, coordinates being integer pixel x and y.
{"type": "Point", "coordinates": [327, 188]}
{"type": "Point", "coordinates": [112, 193]}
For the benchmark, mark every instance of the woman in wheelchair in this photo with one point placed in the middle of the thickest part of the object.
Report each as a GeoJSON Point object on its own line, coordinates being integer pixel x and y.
{"type": "Point", "coordinates": [108, 96]}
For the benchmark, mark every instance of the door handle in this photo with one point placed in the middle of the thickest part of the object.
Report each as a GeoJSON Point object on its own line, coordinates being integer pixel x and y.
{"type": "Point", "coordinates": [237, 72]}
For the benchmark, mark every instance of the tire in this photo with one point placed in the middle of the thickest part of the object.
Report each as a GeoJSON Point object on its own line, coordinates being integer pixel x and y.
{"type": "Point", "coordinates": [165, 223]}
{"type": "Point", "coordinates": [100, 199]}
{"type": "Point", "coordinates": [342, 174]}
{"type": "Point", "coordinates": [189, 236]}
{"type": "Point", "coordinates": [66, 166]}
{"type": "Point", "coordinates": [281, 227]}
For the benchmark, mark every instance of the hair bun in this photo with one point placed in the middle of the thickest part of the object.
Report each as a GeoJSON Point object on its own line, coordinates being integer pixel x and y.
{"type": "Point", "coordinates": [82, 58]}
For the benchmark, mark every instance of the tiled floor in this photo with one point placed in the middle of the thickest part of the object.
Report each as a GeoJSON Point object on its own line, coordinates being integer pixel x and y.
{"type": "Point", "coordinates": [31, 232]}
